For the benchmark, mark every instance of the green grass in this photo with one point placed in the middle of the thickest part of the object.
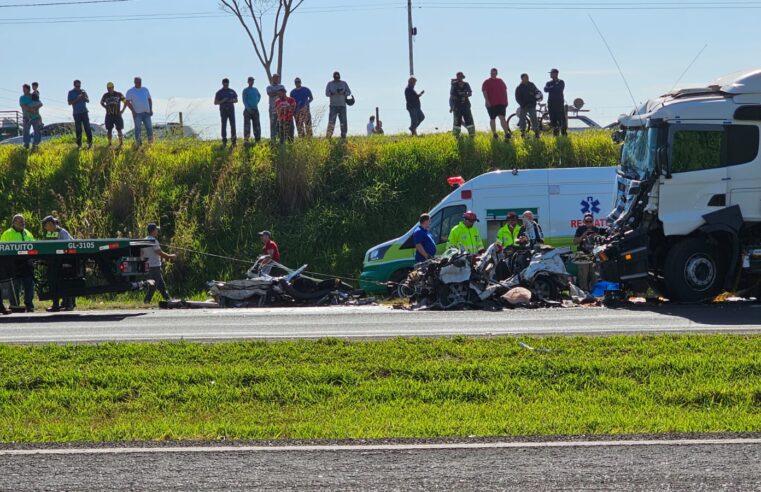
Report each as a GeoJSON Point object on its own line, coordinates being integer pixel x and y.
{"type": "Point", "coordinates": [327, 202]}
{"type": "Point", "coordinates": [396, 388]}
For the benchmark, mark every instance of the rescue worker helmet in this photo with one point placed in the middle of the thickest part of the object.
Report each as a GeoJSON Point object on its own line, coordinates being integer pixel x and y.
{"type": "Point", "coordinates": [471, 216]}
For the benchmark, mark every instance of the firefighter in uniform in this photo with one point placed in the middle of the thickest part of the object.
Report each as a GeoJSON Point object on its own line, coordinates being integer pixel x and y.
{"type": "Point", "coordinates": [54, 232]}
{"type": "Point", "coordinates": [459, 99]}
{"type": "Point", "coordinates": [465, 236]}
{"type": "Point", "coordinates": [24, 274]}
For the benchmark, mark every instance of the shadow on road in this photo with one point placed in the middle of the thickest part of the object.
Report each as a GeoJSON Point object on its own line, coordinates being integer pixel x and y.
{"type": "Point", "coordinates": [741, 313]}
{"type": "Point", "coordinates": [67, 317]}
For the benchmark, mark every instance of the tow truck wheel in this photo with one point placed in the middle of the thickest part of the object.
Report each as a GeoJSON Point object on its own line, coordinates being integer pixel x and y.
{"type": "Point", "coordinates": [693, 271]}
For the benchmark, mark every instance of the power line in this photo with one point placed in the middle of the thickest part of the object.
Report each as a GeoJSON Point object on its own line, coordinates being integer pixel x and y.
{"type": "Point", "coordinates": [51, 4]}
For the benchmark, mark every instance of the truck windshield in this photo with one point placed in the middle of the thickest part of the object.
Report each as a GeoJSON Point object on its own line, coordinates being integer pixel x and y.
{"type": "Point", "coordinates": [638, 153]}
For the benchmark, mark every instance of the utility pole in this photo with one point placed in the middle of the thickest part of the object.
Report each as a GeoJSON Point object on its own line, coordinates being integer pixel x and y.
{"type": "Point", "coordinates": [411, 31]}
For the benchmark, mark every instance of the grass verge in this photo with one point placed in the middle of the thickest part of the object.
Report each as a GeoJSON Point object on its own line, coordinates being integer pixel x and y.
{"type": "Point", "coordinates": [395, 388]}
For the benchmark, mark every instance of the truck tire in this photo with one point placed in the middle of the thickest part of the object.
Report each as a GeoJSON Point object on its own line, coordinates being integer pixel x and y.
{"type": "Point", "coordinates": [693, 271]}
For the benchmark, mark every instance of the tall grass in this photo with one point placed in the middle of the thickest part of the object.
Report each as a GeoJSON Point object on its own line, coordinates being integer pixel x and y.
{"type": "Point", "coordinates": [326, 201]}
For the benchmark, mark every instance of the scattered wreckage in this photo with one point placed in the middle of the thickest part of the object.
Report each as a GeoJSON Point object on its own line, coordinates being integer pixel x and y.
{"type": "Point", "coordinates": [262, 289]}
{"type": "Point", "coordinates": [530, 277]}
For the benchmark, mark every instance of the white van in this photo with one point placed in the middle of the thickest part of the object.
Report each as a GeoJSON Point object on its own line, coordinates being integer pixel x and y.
{"type": "Point", "coordinates": [559, 198]}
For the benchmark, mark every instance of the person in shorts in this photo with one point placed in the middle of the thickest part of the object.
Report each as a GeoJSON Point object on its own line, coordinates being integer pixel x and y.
{"type": "Point", "coordinates": [114, 103]}
{"type": "Point", "coordinates": [495, 95]}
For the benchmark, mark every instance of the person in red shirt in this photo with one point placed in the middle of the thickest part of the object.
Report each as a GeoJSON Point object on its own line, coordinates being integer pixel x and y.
{"type": "Point", "coordinates": [270, 249]}
{"type": "Point", "coordinates": [495, 95]}
{"type": "Point", "coordinates": [285, 107]}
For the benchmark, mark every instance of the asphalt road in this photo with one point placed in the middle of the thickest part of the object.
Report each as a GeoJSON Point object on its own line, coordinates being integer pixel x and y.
{"type": "Point", "coordinates": [710, 465]}
{"type": "Point", "coordinates": [367, 322]}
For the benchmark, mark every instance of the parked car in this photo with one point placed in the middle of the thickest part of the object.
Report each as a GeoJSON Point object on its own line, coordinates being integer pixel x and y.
{"type": "Point", "coordinates": [169, 130]}
{"type": "Point", "coordinates": [57, 130]}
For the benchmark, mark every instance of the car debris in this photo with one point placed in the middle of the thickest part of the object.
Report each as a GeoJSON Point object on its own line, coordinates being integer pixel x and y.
{"type": "Point", "coordinates": [514, 277]}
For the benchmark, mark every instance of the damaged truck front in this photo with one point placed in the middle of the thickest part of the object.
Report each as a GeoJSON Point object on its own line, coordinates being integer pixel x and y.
{"type": "Point", "coordinates": [687, 216]}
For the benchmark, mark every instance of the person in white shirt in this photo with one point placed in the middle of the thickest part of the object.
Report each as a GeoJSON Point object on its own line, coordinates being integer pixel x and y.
{"type": "Point", "coordinates": [371, 126]}
{"type": "Point", "coordinates": [140, 103]}
{"type": "Point", "coordinates": [154, 254]}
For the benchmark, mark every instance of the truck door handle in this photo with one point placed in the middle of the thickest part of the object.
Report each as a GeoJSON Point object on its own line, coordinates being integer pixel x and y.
{"type": "Point", "coordinates": [726, 179]}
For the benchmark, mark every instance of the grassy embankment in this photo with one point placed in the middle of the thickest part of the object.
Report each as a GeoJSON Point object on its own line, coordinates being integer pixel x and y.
{"type": "Point", "coordinates": [395, 388]}
{"type": "Point", "coordinates": [326, 201]}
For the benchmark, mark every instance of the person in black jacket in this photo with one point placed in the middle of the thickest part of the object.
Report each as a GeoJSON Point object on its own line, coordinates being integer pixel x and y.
{"type": "Point", "coordinates": [413, 105]}
{"type": "Point", "coordinates": [556, 102]}
{"type": "Point", "coordinates": [459, 101]}
{"type": "Point", "coordinates": [526, 95]}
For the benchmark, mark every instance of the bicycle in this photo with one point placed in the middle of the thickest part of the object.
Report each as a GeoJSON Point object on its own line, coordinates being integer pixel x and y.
{"type": "Point", "coordinates": [542, 116]}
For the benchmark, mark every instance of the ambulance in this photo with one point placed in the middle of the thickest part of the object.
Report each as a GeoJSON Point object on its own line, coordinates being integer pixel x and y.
{"type": "Point", "coordinates": [558, 198]}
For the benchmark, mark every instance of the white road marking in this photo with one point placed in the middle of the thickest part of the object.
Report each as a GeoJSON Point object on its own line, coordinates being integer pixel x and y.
{"type": "Point", "coordinates": [381, 447]}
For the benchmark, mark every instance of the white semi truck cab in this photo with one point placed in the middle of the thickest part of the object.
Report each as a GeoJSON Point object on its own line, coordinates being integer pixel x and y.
{"type": "Point", "coordinates": [687, 216]}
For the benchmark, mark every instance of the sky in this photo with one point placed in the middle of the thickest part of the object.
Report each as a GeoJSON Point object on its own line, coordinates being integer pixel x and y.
{"type": "Point", "coordinates": [183, 56]}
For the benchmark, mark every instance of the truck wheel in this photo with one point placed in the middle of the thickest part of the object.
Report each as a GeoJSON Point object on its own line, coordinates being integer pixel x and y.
{"type": "Point", "coordinates": [693, 271]}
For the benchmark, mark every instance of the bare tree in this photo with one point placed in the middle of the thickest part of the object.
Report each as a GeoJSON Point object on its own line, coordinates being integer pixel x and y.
{"type": "Point", "coordinates": [268, 46]}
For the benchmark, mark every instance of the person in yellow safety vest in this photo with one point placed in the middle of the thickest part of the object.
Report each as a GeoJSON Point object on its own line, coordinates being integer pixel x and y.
{"type": "Point", "coordinates": [24, 274]}
{"type": "Point", "coordinates": [510, 234]}
{"type": "Point", "coordinates": [466, 237]}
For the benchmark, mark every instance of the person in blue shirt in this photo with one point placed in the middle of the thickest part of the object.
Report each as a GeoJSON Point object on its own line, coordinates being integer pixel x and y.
{"type": "Point", "coordinates": [303, 115]}
{"type": "Point", "coordinates": [226, 99]}
{"type": "Point", "coordinates": [78, 101]}
{"type": "Point", "coordinates": [425, 245]}
{"type": "Point", "coordinates": [251, 98]}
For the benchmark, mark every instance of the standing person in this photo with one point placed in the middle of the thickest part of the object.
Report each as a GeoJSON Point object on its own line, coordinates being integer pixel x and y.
{"type": "Point", "coordinates": [303, 97]}
{"type": "Point", "coordinates": [272, 91]}
{"type": "Point", "coordinates": [556, 102]}
{"type": "Point", "coordinates": [226, 99]}
{"type": "Point", "coordinates": [526, 95]}
{"type": "Point", "coordinates": [78, 101]}
{"type": "Point", "coordinates": [425, 244]}
{"type": "Point", "coordinates": [140, 103]}
{"type": "Point", "coordinates": [532, 228]}
{"type": "Point", "coordinates": [251, 98]}
{"type": "Point", "coordinates": [511, 234]}
{"type": "Point", "coordinates": [54, 232]}
{"type": "Point", "coordinates": [25, 278]}
{"type": "Point", "coordinates": [460, 102]}
{"type": "Point", "coordinates": [413, 105]}
{"type": "Point", "coordinates": [495, 95]}
{"type": "Point", "coordinates": [270, 251]}
{"type": "Point", "coordinates": [154, 254]}
{"type": "Point", "coordinates": [371, 126]}
{"type": "Point", "coordinates": [464, 236]}
{"type": "Point", "coordinates": [31, 119]}
{"type": "Point", "coordinates": [115, 104]}
{"type": "Point", "coordinates": [337, 90]}
{"type": "Point", "coordinates": [285, 107]}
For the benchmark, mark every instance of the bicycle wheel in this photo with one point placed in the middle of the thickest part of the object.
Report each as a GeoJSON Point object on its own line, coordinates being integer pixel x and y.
{"type": "Point", "coordinates": [544, 121]}
{"type": "Point", "coordinates": [512, 123]}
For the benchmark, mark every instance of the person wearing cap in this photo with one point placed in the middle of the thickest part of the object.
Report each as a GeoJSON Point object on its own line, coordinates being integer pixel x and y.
{"type": "Point", "coordinates": [272, 92]}
{"type": "Point", "coordinates": [464, 236]}
{"type": "Point", "coordinates": [25, 273]}
{"type": "Point", "coordinates": [154, 255]}
{"type": "Point", "coordinates": [303, 115]}
{"type": "Point", "coordinates": [556, 102]}
{"type": "Point", "coordinates": [270, 251]}
{"type": "Point", "coordinates": [459, 98]}
{"type": "Point", "coordinates": [78, 101]}
{"type": "Point", "coordinates": [526, 95]}
{"type": "Point", "coordinates": [54, 232]}
{"type": "Point", "coordinates": [337, 90]}
{"type": "Point", "coordinates": [285, 107]}
{"type": "Point", "coordinates": [226, 98]}
{"type": "Point", "coordinates": [425, 244]}
{"type": "Point", "coordinates": [251, 98]}
{"type": "Point", "coordinates": [511, 234]}
{"type": "Point", "coordinates": [413, 105]}
{"type": "Point", "coordinates": [115, 104]}
{"type": "Point", "coordinates": [532, 228]}
{"type": "Point", "coordinates": [584, 231]}
{"type": "Point", "coordinates": [495, 96]}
